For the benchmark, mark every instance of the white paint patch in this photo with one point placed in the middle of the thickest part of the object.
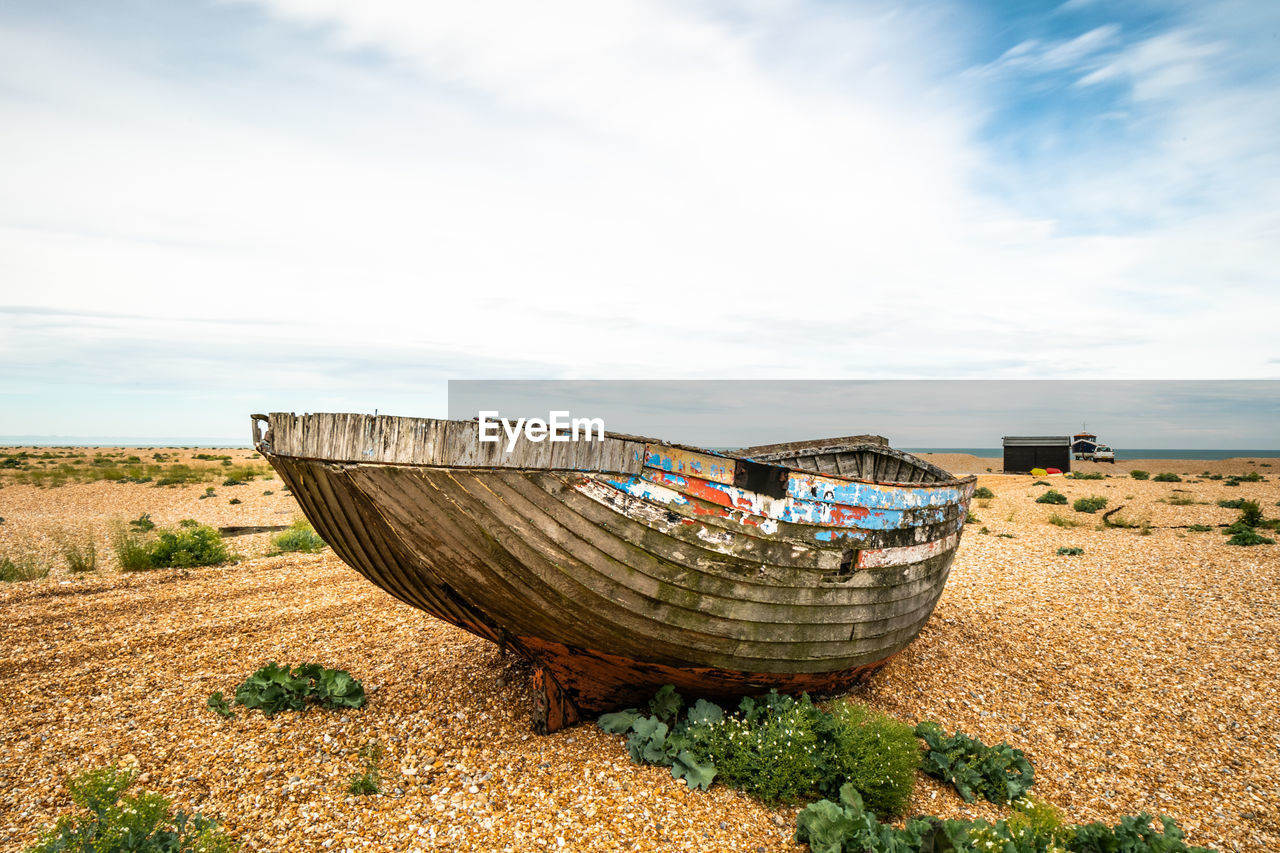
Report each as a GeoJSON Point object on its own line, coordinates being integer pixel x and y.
{"type": "Point", "coordinates": [626, 504]}
{"type": "Point", "coordinates": [714, 537]}
{"type": "Point", "coordinates": [651, 515]}
{"type": "Point", "coordinates": [879, 558]}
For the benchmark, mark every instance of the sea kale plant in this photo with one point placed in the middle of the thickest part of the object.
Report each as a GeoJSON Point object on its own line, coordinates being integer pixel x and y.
{"type": "Point", "coordinates": [775, 747]}
{"type": "Point", "coordinates": [275, 688]}
{"type": "Point", "coordinates": [846, 826]}
{"type": "Point", "coordinates": [143, 523]}
{"type": "Point", "coordinates": [1133, 834]}
{"type": "Point", "coordinates": [665, 736]}
{"type": "Point", "coordinates": [998, 773]}
{"type": "Point", "coordinates": [219, 705]}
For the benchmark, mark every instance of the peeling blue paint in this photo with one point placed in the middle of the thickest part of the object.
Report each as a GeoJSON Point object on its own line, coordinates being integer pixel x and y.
{"type": "Point", "coordinates": [802, 511]}
{"type": "Point", "coordinates": [663, 462]}
{"type": "Point", "coordinates": [832, 534]}
{"type": "Point", "coordinates": [649, 491]}
{"type": "Point", "coordinates": [826, 490]}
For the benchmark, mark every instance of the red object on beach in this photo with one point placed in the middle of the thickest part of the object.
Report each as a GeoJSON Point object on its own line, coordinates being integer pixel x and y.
{"type": "Point", "coordinates": [1053, 470]}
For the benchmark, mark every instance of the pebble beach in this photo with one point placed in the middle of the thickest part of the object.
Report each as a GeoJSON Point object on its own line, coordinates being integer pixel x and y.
{"type": "Point", "coordinates": [1137, 676]}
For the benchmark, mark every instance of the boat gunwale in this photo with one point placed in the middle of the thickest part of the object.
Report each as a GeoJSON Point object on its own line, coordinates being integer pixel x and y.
{"type": "Point", "coordinates": [803, 449]}
{"type": "Point", "coordinates": [951, 483]}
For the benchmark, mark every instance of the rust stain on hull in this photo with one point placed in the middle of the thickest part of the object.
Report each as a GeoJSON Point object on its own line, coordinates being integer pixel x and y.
{"type": "Point", "coordinates": [575, 684]}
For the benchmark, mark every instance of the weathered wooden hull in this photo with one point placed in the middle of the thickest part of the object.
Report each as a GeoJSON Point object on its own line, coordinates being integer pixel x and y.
{"type": "Point", "coordinates": [658, 569]}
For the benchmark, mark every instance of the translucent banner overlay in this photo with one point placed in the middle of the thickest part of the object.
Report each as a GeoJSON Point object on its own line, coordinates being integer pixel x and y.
{"type": "Point", "coordinates": [924, 414]}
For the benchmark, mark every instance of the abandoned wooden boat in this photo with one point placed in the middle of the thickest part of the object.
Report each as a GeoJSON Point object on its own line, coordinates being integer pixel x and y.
{"type": "Point", "coordinates": [622, 564]}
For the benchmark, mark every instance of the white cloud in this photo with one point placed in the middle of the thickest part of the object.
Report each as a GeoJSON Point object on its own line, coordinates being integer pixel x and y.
{"type": "Point", "coordinates": [1037, 56]}
{"type": "Point", "coordinates": [1159, 67]}
{"type": "Point", "coordinates": [624, 189]}
{"type": "Point", "coordinates": [1075, 6]}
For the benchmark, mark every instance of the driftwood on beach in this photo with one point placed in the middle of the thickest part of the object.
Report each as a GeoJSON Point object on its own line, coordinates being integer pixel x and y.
{"type": "Point", "coordinates": [248, 530]}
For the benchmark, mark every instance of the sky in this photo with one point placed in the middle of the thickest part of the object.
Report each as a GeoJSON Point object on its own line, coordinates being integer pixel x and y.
{"type": "Point", "coordinates": [209, 209]}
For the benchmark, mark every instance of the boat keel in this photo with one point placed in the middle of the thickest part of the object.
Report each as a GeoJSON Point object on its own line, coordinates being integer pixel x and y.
{"type": "Point", "coordinates": [552, 709]}
{"type": "Point", "coordinates": [571, 684]}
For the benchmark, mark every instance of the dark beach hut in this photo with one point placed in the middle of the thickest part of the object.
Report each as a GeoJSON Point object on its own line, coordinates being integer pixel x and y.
{"type": "Point", "coordinates": [1024, 452]}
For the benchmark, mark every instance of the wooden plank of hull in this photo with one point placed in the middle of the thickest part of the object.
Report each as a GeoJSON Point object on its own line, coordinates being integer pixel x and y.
{"type": "Point", "coordinates": [693, 591]}
{"type": "Point", "coordinates": [449, 548]}
{"type": "Point", "coordinates": [813, 577]}
{"type": "Point", "coordinates": [678, 460]}
{"type": "Point", "coordinates": [379, 562]}
{"type": "Point", "coordinates": [424, 441]}
{"type": "Point", "coordinates": [813, 500]}
{"type": "Point", "coordinates": [883, 528]}
{"type": "Point", "coordinates": [562, 584]}
{"type": "Point", "coordinates": [742, 580]}
{"type": "Point", "coordinates": [609, 602]}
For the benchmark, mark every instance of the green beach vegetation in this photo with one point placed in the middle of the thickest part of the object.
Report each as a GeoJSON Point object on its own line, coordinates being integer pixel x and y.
{"type": "Point", "coordinates": [53, 470]}
{"type": "Point", "coordinates": [188, 545]}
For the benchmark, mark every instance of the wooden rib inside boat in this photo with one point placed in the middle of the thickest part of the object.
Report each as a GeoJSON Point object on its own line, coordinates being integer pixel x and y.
{"type": "Point", "coordinates": [622, 564]}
